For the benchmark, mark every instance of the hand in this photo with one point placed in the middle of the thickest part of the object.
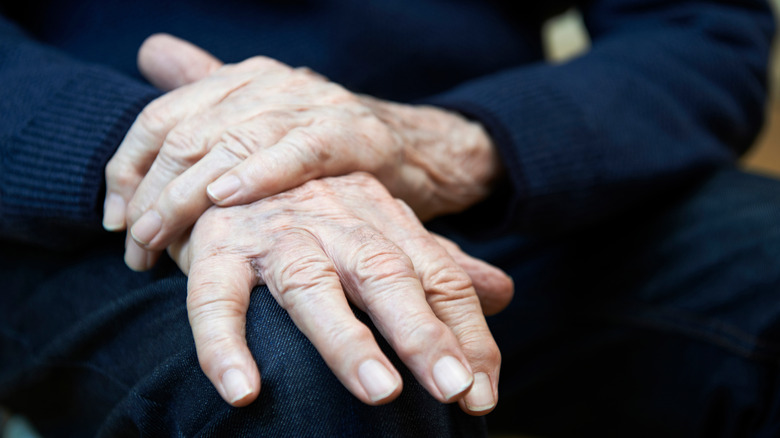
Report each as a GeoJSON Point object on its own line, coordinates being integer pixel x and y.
{"type": "Point", "coordinates": [326, 242]}
{"type": "Point", "coordinates": [234, 134]}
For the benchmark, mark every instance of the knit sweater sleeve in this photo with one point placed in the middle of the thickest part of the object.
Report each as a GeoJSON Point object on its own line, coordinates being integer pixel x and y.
{"type": "Point", "coordinates": [60, 121]}
{"type": "Point", "coordinates": [669, 89]}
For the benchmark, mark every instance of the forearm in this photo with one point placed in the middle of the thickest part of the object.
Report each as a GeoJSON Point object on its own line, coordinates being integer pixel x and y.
{"type": "Point", "coordinates": [666, 93]}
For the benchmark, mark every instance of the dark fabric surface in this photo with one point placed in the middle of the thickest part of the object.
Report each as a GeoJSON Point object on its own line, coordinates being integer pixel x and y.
{"type": "Point", "coordinates": [662, 322]}
{"type": "Point", "coordinates": [88, 347]}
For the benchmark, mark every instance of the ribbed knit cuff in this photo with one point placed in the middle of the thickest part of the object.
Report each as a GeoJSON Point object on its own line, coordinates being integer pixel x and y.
{"type": "Point", "coordinates": [536, 130]}
{"type": "Point", "coordinates": [55, 169]}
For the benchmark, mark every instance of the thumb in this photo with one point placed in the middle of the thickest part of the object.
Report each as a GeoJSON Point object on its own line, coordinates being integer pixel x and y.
{"type": "Point", "coordinates": [168, 62]}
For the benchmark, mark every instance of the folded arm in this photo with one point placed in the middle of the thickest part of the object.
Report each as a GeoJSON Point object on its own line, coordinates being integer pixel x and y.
{"type": "Point", "coordinates": [65, 120]}
{"type": "Point", "coordinates": [62, 119]}
{"type": "Point", "coordinates": [669, 89]}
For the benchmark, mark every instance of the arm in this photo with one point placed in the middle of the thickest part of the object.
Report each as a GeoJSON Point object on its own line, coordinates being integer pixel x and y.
{"type": "Point", "coordinates": [241, 132]}
{"type": "Point", "coordinates": [78, 113]}
{"type": "Point", "coordinates": [316, 246]}
{"type": "Point", "coordinates": [669, 90]}
{"type": "Point", "coordinates": [61, 121]}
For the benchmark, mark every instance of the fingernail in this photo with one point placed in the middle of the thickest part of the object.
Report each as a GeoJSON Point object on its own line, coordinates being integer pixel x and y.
{"type": "Point", "coordinates": [223, 187]}
{"type": "Point", "coordinates": [114, 212]}
{"type": "Point", "coordinates": [236, 385]}
{"type": "Point", "coordinates": [136, 258]}
{"type": "Point", "coordinates": [147, 227]}
{"type": "Point", "coordinates": [480, 396]}
{"type": "Point", "coordinates": [376, 380]}
{"type": "Point", "coordinates": [451, 377]}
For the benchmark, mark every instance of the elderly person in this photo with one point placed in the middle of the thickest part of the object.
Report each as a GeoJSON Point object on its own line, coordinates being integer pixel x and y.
{"type": "Point", "coordinates": [604, 186]}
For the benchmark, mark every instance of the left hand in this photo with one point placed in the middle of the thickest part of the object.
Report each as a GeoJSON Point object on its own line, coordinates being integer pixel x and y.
{"type": "Point", "coordinates": [332, 240]}
{"type": "Point", "coordinates": [234, 134]}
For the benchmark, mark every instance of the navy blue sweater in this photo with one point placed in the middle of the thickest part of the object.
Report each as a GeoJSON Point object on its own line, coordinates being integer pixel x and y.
{"type": "Point", "coordinates": [670, 89]}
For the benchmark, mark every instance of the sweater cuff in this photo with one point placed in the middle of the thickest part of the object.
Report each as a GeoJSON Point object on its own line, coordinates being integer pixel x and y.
{"type": "Point", "coordinates": [535, 127]}
{"type": "Point", "coordinates": [55, 174]}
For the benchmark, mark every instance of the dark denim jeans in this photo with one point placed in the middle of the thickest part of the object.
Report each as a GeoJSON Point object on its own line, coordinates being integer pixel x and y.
{"type": "Point", "coordinates": [661, 322]}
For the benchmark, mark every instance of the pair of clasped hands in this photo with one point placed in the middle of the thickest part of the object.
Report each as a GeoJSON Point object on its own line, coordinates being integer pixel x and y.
{"type": "Point", "coordinates": [259, 173]}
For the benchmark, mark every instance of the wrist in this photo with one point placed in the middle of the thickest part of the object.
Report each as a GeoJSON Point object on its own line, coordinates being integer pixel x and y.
{"type": "Point", "coordinates": [457, 156]}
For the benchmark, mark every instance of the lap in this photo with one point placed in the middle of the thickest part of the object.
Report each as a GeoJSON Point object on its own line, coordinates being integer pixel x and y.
{"type": "Point", "coordinates": [88, 347]}
{"type": "Point", "coordinates": [662, 322]}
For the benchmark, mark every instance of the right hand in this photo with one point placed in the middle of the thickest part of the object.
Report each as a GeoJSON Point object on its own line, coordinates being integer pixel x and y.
{"type": "Point", "coordinates": [321, 245]}
{"type": "Point", "coordinates": [245, 131]}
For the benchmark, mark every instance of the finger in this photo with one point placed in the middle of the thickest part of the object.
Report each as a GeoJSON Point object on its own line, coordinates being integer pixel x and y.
{"type": "Point", "coordinates": [168, 62]}
{"type": "Point", "coordinates": [124, 173]}
{"type": "Point", "coordinates": [181, 202]}
{"type": "Point", "coordinates": [304, 154]}
{"type": "Point", "coordinates": [184, 146]}
{"type": "Point", "coordinates": [304, 282]}
{"type": "Point", "coordinates": [179, 252]}
{"type": "Point", "coordinates": [381, 280]}
{"type": "Point", "coordinates": [139, 149]}
{"type": "Point", "coordinates": [183, 149]}
{"type": "Point", "coordinates": [136, 155]}
{"type": "Point", "coordinates": [218, 292]}
{"type": "Point", "coordinates": [494, 288]}
{"type": "Point", "coordinates": [452, 298]}
{"type": "Point", "coordinates": [137, 258]}
{"type": "Point", "coordinates": [183, 198]}
{"type": "Point", "coordinates": [145, 224]}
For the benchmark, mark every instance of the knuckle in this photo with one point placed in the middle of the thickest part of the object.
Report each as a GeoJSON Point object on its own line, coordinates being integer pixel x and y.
{"type": "Point", "coordinates": [304, 272]}
{"type": "Point", "coordinates": [206, 309]}
{"type": "Point", "coordinates": [296, 278]}
{"type": "Point", "coordinates": [155, 117]}
{"type": "Point", "coordinates": [184, 146]}
{"type": "Point", "coordinates": [382, 260]}
{"type": "Point", "coordinates": [310, 74]}
{"type": "Point", "coordinates": [117, 173]}
{"type": "Point", "coordinates": [264, 63]}
{"type": "Point", "coordinates": [450, 282]}
{"type": "Point", "coordinates": [420, 337]}
{"type": "Point", "coordinates": [134, 210]}
{"type": "Point", "coordinates": [237, 143]}
{"type": "Point", "coordinates": [493, 354]}
{"type": "Point", "coordinates": [404, 206]}
{"type": "Point", "coordinates": [312, 151]}
{"type": "Point", "coordinates": [376, 259]}
{"type": "Point", "coordinates": [482, 352]}
{"type": "Point", "coordinates": [176, 198]}
{"type": "Point", "coordinates": [335, 94]}
{"type": "Point", "coordinates": [405, 210]}
{"type": "Point", "coordinates": [313, 143]}
{"type": "Point", "coordinates": [312, 190]}
{"type": "Point", "coordinates": [346, 336]}
{"type": "Point", "coordinates": [376, 129]}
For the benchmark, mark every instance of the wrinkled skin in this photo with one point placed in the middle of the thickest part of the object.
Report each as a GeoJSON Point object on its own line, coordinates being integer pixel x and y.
{"type": "Point", "coordinates": [276, 134]}
{"type": "Point", "coordinates": [233, 134]}
{"type": "Point", "coordinates": [321, 245]}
